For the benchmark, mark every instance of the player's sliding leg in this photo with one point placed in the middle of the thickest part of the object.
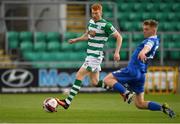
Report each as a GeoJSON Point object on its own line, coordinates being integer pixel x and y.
{"type": "Point", "coordinates": [167, 110]}
{"type": "Point", "coordinates": [112, 82]}
{"type": "Point", "coordinates": [75, 88]}
{"type": "Point", "coordinates": [94, 78]}
{"type": "Point", "coordinates": [153, 106]}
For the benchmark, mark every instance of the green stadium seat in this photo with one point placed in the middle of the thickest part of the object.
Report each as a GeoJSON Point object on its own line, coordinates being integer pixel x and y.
{"type": "Point", "coordinates": [124, 44]}
{"type": "Point", "coordinates": [135, 44]}
{"type": "Point", "coordinates": [26, 36]}
{"type": "Point", "coordinates": [40, 46]}
{"type": "Point", "coordinates": [81, 46]}
{"type": "Point", "coordinates": [149, 7]}
{"type": "Point", "coordinates": [125, 37]}
{"type": "Point", "coordinates": [163, 7]}
{"type": "Point", "coordinates": [111, 43]}
{"type": "Point", "coordinates": [65, 46]}
{"type": "Point", "coordinates": [167, 26]}
{"type": "Point", "coordinates": [69, 35]}
{"type": "Point", "coordinates": [122, 16]}
{"type": "Point", "coordinates": [125, 7]}
{"type": "Point", "coordinates": [53, 46]}
{"type": "Point", "coordinates": [59, 56]}
{"type": "Point", "coordinates": [176, 27]}
{"type": "Point", "coordinates": [13, 39]}
{"type": "Point", "coordinates": [175, 8]}
{"type": "Point", "coordinates": [165, 54]}
{"type": "Point", "coordinates": [166, 44]}
{"type": "Point", "coordinates": [126, 26]}
{"type": "Point", "coordinates": [32, 56]}
{"type": "Point", "coordinates": [108, 15]}
{"type": "Point", "coordinates": [137, 37]}
{"type": "Point", "coordinates": [46, 56]}
{"type": "Point", "coordinates": [175, 55]}
{"type": "Point", "coordinates": [40, 36]}
{"type": "Point", "coordinates": [137, 7]}
{"type": "Point", "coordinates": [51, 36]}
{"type": "Point", "coordinates": [167, 37]}
{"type": "Point", "coordinates": [123, 55]}
{"type": "Point", "coordinates": [26, 46]}
{"type": "Point", "coordinates": [176, 37]}
{"type": "Point", "coordinates": [76, 56]}
{"type": "Point", "coordinates": [171, 16]}
{"type": "Point", "coordinates": [131, 16]}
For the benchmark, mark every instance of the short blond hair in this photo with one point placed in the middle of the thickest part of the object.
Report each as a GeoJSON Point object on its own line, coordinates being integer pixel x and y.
{"type": "Point", "coordinates": [96, 6]}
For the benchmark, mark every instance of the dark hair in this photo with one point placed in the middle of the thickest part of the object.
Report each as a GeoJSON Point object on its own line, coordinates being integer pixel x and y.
{"type": "Point", "coordinates": [151, 23]}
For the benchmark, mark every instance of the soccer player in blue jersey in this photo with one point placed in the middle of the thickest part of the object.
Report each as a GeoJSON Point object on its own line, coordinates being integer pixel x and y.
{"type": "Point", "coordinates": [133, 75]}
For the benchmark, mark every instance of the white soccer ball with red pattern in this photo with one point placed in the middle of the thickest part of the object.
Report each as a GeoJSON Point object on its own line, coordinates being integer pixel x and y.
{"type": "Point", "coordinates": [50, 105]}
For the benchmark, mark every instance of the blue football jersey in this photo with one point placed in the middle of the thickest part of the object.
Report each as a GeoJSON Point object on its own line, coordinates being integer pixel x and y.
{"type": "Point", "coordinates": [153, 43]}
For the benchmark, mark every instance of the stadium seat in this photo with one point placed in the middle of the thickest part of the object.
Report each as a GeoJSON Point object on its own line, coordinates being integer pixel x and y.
{"type": "Point", "coordinates": [175, 8]}
{"type": "Point", "coordinates": [108, 15]}
{"type": "Point", "coordinates": [69, 35]}
{"type": "Point", "coordinates": [65, 46]}
{"type": "Point", "coordinates": [81, 46]}
{"type": "Point", "coordinates": [171, 16]}
{"type": "Point", "coordinates": [53, 46]}
{"type": "Point", "coordinates": [26, 46]}
{"type": "Point", "coordinates": [46, 56]}
{"type": "Point", "coordinates": [26, 36]}
{"type": "Point", "coordinates": [13, 39]}
{"type": "Point", "coordinates": [32, 56]}
{"type": "Point", "coordinates": [149, 7]}
{"type": "Point", "coordinates": [176, 37]}
{"type": "Point", "coordinates": [40, 36]}
{"type": "Point", "coordinates": [125, 37]}
{"type": "Point", "coordinates": [59, 56]}
{"type": "Point", "coordinates": [125, 7]}
{"type": "Point", "coordinates": [175, 55]}
{"type": "Point", "coordinates": [137, 37]}
{"type": "Point", "coordinates": [137, 7]}
{"type": "Point", "coordinates": [51, 36]}
{"type": "Point", "coordinates": [164, 7]}
{"type": "Point", "coordinates": [40, 46]}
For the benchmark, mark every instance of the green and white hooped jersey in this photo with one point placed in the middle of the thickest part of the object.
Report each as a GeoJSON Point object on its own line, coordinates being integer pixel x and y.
{"type": "Point", "coordinates": [103, 30]}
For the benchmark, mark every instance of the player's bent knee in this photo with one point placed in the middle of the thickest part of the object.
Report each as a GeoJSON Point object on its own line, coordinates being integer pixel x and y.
{"type": "Point", "coordinates": [109, 80]}
{"type": "Point", "coordinates": [140, 105]}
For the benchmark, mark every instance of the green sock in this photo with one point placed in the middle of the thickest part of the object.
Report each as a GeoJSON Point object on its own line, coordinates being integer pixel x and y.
{"type": "Point", "coordinates": [74, 90]}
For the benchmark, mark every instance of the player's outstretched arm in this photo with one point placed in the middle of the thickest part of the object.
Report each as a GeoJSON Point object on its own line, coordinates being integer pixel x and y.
{"type": "Point", "coordinates": [84, 37]}
{"type": "Point", "coordinates": [118, 38]}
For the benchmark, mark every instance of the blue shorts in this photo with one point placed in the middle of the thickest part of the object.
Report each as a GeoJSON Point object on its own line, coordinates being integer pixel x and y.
{"type": "Point", "coordinates": [133, 79]}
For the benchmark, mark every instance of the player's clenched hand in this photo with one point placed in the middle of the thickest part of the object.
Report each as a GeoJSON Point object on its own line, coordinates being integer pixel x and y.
{"type": "Point", "coordinates": [116, 57]}
{"type": "Point", "coordinates": [142, 56]}
{"type": "Point", "coordinates": [72, 41]}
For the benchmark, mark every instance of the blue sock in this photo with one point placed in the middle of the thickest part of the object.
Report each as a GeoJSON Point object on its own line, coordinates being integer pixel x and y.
{"type": "Point", "coordinates": [153, 106]}
{"type": "Point", "coordinates": [119, 87]}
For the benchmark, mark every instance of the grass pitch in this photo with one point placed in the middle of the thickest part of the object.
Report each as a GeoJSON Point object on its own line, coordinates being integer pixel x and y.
{"type": "Point", "coordinates": [86, 108]}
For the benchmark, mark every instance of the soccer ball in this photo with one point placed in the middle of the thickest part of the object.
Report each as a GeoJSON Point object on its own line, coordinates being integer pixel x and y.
{"type": "Point", "coordinates": [50, 105]}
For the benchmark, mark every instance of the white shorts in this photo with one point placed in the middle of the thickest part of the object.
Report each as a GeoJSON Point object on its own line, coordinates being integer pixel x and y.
{"type": "Point", "coordinates": [92, 64]}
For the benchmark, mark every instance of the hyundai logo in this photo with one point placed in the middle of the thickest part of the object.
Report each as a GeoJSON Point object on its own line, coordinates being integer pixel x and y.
{"type": "Point", "coordinates": [17, 77]}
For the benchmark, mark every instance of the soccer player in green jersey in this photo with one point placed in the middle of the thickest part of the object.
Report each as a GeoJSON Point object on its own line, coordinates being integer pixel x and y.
{"type": "Point", "coordinates": [97, 34]}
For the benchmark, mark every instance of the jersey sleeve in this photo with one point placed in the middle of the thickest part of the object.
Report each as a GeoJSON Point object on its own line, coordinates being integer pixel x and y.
{"type": "Point", "coordinates": [109, 29]}
{"type": "Point", "coordinates": [149, 43]}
